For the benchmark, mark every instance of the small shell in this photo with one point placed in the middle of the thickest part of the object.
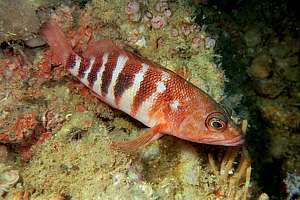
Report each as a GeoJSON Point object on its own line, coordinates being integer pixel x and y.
{"type": "Point", "coordinates": [160, 42]}
{"type": "Point", "coordinates": [132, 8]}
{"type": "Point", "coordinates": [168, 13]}
{"type": "Point", "coordinates": [174, 32]}
{"type": "Point", "coordinates": [196, 42]}
{"type": "Point", "coordinates": [161, 5]}
{"type": "Point", "coordinates": [210, 42]}
{"type": "Point", "coordinates": [186, 29]}
{"type": "Point", "coordinates": [141, 42]}
{"type": "Point", "coordinates": [133, 11]}
{"type": "Point", "coordinates": [134, 37]}
{"type": "Point", "coordinates": [158, 22]}
{"type": "Point", "coordinates": [147, 16]}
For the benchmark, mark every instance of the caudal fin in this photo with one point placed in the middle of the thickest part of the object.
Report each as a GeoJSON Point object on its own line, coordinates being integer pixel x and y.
{"type": "Point", "coordinates": [57, 41]}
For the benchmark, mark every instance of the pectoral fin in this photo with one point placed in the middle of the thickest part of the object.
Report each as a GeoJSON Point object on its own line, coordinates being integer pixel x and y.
{"type": "Point", "coordinates": [145, 138]}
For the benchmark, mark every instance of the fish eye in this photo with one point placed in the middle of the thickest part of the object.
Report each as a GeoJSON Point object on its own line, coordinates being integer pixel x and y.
{"type": "Point", "coordinates": [216, 122]}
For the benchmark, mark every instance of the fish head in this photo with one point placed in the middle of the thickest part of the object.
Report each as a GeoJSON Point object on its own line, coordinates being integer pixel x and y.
{"type": "Point", "coordinates": [210, 125]}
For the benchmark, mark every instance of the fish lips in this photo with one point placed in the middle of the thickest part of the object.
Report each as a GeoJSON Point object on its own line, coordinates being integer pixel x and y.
{"type": "Point", "coordinates": [236, 141]}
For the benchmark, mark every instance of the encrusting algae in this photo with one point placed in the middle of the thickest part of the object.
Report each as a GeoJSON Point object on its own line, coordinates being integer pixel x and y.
{"type": "Point", "coordinates": [73, 158]}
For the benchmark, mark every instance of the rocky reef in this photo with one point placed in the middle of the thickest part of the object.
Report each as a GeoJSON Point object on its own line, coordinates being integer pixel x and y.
{"type": "Point", "coordinates": [55, 134]}
{"type": "Point", "coordinates": [275, 78]}
{"type": "Point", "coordinates": [18, 20]}
{"type": "Point", "coordinates": [259, 45]}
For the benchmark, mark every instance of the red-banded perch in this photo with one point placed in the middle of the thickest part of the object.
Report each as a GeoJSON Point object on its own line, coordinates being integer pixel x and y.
{"type": "Point", "coordinates": [155, 96]}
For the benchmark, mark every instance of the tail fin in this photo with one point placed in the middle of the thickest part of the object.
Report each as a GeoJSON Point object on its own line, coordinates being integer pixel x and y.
{"type": "Point", "coordinates": [57, 41]}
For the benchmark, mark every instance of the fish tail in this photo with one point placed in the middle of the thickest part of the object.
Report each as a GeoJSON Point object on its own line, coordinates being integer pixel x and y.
{"type": "Point", "coordinates": [57, 41]}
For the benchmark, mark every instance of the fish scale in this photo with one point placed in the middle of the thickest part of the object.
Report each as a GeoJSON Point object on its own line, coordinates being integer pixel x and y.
{"type": "Point", "coordinates": [155, 96]}
{"type": "Point", "coordinates": [140, 100]}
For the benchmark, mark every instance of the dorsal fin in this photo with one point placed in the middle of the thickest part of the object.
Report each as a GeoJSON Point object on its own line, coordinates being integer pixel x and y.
{"type": "Point", "coordinates": [57, 41]}
{"type": "Point", "coordinates": [98, 47]}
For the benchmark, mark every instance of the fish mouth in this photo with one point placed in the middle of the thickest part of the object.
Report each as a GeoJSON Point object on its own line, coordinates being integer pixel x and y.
{"type": "Point", "coordinates": [236, 141]}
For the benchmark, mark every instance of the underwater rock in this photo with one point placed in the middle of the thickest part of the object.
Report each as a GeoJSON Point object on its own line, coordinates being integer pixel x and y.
{"type": "Point", "coordinates": [35, 42]}
{"type": "Point", "coordinates": [189, 171]}
{"type": "Point", "coordinates": [293, 185]}
{"type": "Point", "coordinates": [189, 167]}
{"type": "Point", "coordinates": [279, 49]}
{"type": "Point", "coordinates": [168, 187]}
{"type": "Point", "coordinates": [288, 68]}
{"type": "Point", "coordinates": [17, 20]}
{"type": "Point", "coordinates": [8, 177]}
{"type": "Point", "coordinates": [283, 145]}
{"type": "Point", "coordinates": [270, 88]}
{"type": "Point", "coordinates": [135, 173]}
{"type": "Point", "coordinates": [252, 37]}
{"type": "Point", "coordinates": [260, 67]}
{"type": "Point", "coordinates": [279, 113]}
{"type": "Point", "coordinates": [279, 143]}
{"type": "Point", "coordinates": [294, 92]}
{"type": "Point", "coordinates": [150, 152]}
{"type": "Point", "coordinates": [142, 191]}
{"type": "Point", "coordinates": [263, 196]}
{"type": "Point", "coordinates": [77, 160]}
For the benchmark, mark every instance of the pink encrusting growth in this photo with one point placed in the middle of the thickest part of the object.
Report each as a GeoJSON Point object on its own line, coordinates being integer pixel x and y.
{"type": "Point", "coordinates": [157, 97]}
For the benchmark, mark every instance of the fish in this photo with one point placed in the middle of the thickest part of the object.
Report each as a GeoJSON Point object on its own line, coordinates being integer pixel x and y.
{"type": "Point", "coordinates": [159, 98]}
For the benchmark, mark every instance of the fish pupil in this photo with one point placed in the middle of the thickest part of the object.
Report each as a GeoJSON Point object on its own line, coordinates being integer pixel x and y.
{"type": "Point", "coordinates": [217, 125]}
